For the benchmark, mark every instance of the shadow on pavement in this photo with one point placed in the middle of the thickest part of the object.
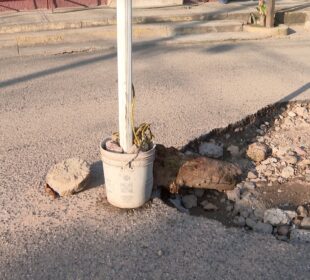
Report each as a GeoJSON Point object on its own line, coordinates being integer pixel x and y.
{"type": "Point", "coordinates": [156, 243]}
{"type": "Point", "coordinates": [296, 93]}
{"type": "Point", "coordinates": [97, 176]}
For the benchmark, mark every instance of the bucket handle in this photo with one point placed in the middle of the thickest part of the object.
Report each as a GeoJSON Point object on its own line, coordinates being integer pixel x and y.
{"type": "Point", "coordinates": [133, 159]}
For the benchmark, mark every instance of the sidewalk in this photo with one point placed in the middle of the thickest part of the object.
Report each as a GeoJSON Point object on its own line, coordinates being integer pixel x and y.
{"type": "Point", "coordinates": [63, 26]}
{"type": "Point", "coordinates": [11, 22]}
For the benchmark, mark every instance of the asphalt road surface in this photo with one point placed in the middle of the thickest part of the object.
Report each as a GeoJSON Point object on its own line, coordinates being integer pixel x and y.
{"type": "Point", "coordinates": [56, 107]}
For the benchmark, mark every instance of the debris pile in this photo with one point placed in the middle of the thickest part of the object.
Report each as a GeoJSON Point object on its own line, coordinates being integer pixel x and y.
{"type": "Point", "coordinates": [270, 190]}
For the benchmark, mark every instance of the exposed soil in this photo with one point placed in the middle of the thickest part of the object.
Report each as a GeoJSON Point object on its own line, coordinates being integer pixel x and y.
{"type": "Point", "coordinates": [286, 196]}
{"type": "Point", "coordinates": [285, 129]}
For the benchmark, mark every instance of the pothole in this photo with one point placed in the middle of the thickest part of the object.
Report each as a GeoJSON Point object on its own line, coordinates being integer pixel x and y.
{"type": "Point", "coordinates": [272, 193]}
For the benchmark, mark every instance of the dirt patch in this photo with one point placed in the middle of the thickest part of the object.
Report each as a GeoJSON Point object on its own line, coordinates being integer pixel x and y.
{"type": "Point", "coordinates": [286, 196]}
{"type": "Point", "coordinates": [272, 147]}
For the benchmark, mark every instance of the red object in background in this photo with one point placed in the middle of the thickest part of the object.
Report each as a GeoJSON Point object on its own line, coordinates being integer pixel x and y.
{"type": "Point", "coordinates": [20, 5]}
{"type": "Point", "coordinates": [17, 5]}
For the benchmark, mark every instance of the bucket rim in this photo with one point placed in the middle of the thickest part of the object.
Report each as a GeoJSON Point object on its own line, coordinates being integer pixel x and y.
{"type": "Point", "coordinates": [125, 156]}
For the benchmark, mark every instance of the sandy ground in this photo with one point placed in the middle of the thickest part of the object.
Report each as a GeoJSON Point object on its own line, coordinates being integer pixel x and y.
{"type": "Point", "coordinates": [57, 107]}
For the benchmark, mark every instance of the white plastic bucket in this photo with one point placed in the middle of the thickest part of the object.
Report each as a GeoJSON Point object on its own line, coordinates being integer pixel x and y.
{"type": "Point", "coordinates": [128, 177]}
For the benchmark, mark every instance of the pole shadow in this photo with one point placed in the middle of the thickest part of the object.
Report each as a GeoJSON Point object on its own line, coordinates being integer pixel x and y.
{"type": "Point", "coordinates": [96, 175]}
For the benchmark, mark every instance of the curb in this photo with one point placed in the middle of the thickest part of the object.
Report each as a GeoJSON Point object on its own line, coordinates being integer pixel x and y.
{"type": "Point", "coordinates": [19, 28]}
{"type": "Point", "coordinates": [281, 30]}
{"type": "Point", "coordinates": [104, 45]}
{"type": "Point", "coordinates": [103, 38]}
{"type": "Point", "coordinates": [140, 31]}
{"type": "Point", "coordinates": [281, 18]}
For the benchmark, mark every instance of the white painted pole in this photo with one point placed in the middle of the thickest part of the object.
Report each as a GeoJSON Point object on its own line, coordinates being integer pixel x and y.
{"type": "Point", "coordinates": [124, 41]}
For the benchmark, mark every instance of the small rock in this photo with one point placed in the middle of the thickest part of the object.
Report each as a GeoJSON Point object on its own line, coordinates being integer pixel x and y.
{"type": "Point", "coordinates": [253, 217]}
{"type": "Point", "coordinates": [208, 206]}
{"type": "Point", "coordinates": [249, 186]}
{"type": "Point", "coordinates": [199, 192]}
{"type": "Point", "coordinates": [291, 214]}
{"type": "Point", "coordinates": [296, 222]}
{"type": "Point", "coordinates": [291, 159]}
{"type": "Point", "coordinates": [291, 114]}
{"type": "Point", "coordinates": [283, 229]}
{"type": "Point", "coordinates": [229, 208]}
{"type": "Point", "coordinates": [177, 204]}
{"type": "Point", "coordinates": [259, 213]}
{"type": "Point", "coordinates": [159, 253]}
{"type": "Point", "coordinates": [250, 223]}
{"type": "Point", "coordinates": [280, 151]}
{"type": "Point", "coordinates": [302, 211]}
{"type": "Point", "coordinates": [260, 131]}
{"type": "Point", "coordinates": [276, 216]}
{"type": "Point", "coordinates": [251, 175]}
{"type": "Point", "coordinates": [189, 201]}
{"type": "Point", "coordinates": [268, 173]}
{"type": "Point", "coordinates": [190, 153]}
{"type": "Point", "coordinates": [273, 160]}
{"type": "Point", "coordinates": [263, 228]}
{"type": "Point", "coordinates": [300, 235]}
{"type": "Point", "coordinates": [210, 150]}
{"type": "Point", "coordinates": [233, 195]}
{"type": "Point", "coordinates": [247, 195]}
{"type": "Point", "coordinates": [257, 152]}
{"type": "Point", "coordinates": [305, 223]}
{"type": "Point", "coordinates": [265, 162]}
{"type": "Point", "coordinates": [245, 213]}
{"type": "Point", "coordinates": [260, 139]}
{"type": "Point", "coordinates": [234, 150]}
{"type": "Point", "coordinates": [222, 200]}
{"type": "Point", "coordinates": [304, 162]}
{"type": "Point", "coordinates": [287, 172]}
{"type": "Point", "coordinates": [113, 147]}
{"type": "Point", "coordinates": [300, 151]}
{"type": "Point", "coordinates": [69, 176]}
{"type": "Point", "coordinates": [301, 111]}
{"type": "Point", "coordinates": [273, 179]}
{"type": "Point", "coordinates": [239, 221]}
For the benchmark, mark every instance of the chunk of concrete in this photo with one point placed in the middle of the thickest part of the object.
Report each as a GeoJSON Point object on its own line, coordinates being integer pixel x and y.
{"type": "Point", "coordinates": [69, 176]}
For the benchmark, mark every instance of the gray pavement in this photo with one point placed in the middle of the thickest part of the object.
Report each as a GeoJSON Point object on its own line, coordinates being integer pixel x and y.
{"type": "Point", "coordinates": [55, 107]}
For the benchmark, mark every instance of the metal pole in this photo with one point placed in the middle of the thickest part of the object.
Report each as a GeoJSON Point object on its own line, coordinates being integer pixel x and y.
{"type": "Point", "coordinates": [270, 13]}
{"type": "Point", "coordinates": [124, 41]}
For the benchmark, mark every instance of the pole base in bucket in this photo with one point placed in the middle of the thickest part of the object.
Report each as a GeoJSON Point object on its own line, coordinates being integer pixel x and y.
{"type": "Point", "coordinates": [128, 177]}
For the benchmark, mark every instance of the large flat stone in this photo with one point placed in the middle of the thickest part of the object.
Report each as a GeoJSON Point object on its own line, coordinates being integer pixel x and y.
{"type": "Point", "coordinates": [69, 176]}
{"type": "Point", "coordinates": [208, 173]}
